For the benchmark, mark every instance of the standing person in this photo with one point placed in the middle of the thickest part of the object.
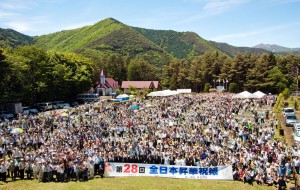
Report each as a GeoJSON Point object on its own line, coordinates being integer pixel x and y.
{"type": "Point", "coordinates": [96, 165]}
{"type": "Point", "coordinates": [16, 168]}
{"type": "Point", "coordinates": [35, 169]}
{"type": "Point", "coordinates": [3, 171]}
{"type": "Point", "coordinates": [7, 163]}
{"type": "Point", "coordinates": [40, 171]}
{"type": "Point", "coordinates": [12, 170]}
{"type": "Point", "coordinates": [101, 166]}
{"type": "Point", "coordinates": [60, 172]}
{"type": "Point", "coordinates": [21, 168]}
{"type": "Point", "coordinates": [29, 170]}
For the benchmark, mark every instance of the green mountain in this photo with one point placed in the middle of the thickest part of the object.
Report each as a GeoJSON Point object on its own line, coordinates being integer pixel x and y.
{"type": "Point", "coordinates": [233, 50]}
{"type": "Point", "coordinates": [12, 38]}
{"type": "Point", "coordinates": [108, 36]}
{"type": "Point", "coordinates": [178, 44]}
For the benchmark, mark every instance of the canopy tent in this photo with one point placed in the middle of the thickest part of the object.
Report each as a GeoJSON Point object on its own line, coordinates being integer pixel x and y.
{"type": "Point", "coordinates": [122, 97]}
{"type": "Point", "coordinates": [134, 107]}
{"type": "Point", "coordinates": [259, 94]}
{"type": "Point", "coordinates": [163, 93]}
{"type": "Point", "coordinates": [244, 95]}
{"type": "Point", "coordinates": [16, 131]}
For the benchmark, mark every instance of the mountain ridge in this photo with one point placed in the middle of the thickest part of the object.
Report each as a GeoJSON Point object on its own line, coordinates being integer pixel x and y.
{"type": "Point", "coordinates": [276, 48]}
{"type": "Point", "coordinates": [110, 36]}
{"type": "Point", "coordinates": [13, 38]}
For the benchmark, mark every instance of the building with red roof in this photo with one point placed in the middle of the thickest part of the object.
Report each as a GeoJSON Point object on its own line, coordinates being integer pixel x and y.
{"type": "Point", "coordinates": [105, 86]}
{"type": "Point", "coordinates": [140, 85]}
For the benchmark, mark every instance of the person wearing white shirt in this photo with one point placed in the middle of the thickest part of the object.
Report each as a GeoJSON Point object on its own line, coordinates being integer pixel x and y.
{"type": "Point", "coordinates": [35, 169]}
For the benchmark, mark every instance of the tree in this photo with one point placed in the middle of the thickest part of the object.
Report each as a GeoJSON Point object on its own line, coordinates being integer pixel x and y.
{"type": "Point", "coordinates": [5, 71]}
{"type": "Point", "coordinates": [207, 87]}
{"type": "Point", "coordinates": [276, 81]}
{"type": "Point", "coordinates": [139, 70]}
{"type": "Point", "coordinates": [233, 87]}
{"type": "Point", "coordinates": [264, 64]}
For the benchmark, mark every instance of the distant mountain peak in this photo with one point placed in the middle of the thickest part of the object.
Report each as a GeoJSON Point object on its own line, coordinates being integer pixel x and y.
{"type": "Point", "coordinates": [276, 48]}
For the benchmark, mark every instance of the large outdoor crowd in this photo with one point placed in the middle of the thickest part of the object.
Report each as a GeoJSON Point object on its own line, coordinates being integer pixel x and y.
{"type": "Point", "coordinates": [188, 130]}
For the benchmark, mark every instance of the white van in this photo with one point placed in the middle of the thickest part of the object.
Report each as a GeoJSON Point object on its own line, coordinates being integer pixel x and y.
{"type": "Point", "coordinates": [45, 106]}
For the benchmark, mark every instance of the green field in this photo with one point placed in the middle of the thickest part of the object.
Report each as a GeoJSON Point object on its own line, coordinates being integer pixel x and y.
{"type": "Point", "coordinates": [133, 183]}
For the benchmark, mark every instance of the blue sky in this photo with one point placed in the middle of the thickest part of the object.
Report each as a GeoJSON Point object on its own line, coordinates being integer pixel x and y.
{"type": "Point", "coordinates": [237, 22]}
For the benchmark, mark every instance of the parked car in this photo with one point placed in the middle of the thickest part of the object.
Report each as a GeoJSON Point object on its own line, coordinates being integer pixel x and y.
{"type": "Point", "coordinates": [5, 114]}
{"type": "Point", "coordinates": [30, 110]}
{"type": "Point", "coordinates": [288, 111]}
{"type": "Point", "coordinates": [290, 120]}
{"type": "Point", "coordinates": [73, 103]}
{"type": "Point", "coordinates": [25, 111]}
{"type": "Point", "coordinates": [33, 110]}
{"type": "Point", "coordinates": [45, 106]}
{"type": "Point", "coordinates": [296, 133]}
{"type": "Point", "coordinates": [64, 105]}
{"type": "Point", "coordinates": [57, 104]}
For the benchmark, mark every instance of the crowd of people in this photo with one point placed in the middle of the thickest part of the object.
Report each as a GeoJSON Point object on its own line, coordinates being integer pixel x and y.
{"type": "Point", "coordinates": [189, 130]}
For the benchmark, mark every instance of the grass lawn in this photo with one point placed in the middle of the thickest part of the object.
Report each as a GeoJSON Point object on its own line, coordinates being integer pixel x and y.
{"type": "Point", "coordinates": [133, 183]}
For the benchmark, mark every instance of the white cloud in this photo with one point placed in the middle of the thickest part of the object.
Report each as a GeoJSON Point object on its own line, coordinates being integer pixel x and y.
{"type": "Point", "coordinates": [22, 25]}
{"type": "Point", "coordinates": [222, 5]}
{"type": "Point", "coordinates": [18, 4]}
{"type": "Point", "coordinates": [212, 8]}
{"type": "Point", "coordinates": [19, 26]}
{"type": "Point", "coordinates": [7, 14]}
{"type": "Point", "coordinates": [77, 25]}
{"type": "Point", "coordinates": [237, 35]}
{"type": "Point", "coordinates": [279, 2]}
{"type": "Point", "coordinates": [252, 33]}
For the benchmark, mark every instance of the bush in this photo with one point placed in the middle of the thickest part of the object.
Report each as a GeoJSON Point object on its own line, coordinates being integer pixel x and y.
{"type": "Point", "coordinates": [207, 87]}
{"type": "Point", "coordinates": [275, 108]}
{"type": "Point", "coordinates": [119, 91]}
{"type": "Point", "coordinates": [286, 93]}
{"type": "Point", "coordinates": [233, 87]}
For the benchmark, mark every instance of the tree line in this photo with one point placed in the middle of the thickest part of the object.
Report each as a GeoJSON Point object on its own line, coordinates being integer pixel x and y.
{"type": "Point", "coordinates": [30, 74]}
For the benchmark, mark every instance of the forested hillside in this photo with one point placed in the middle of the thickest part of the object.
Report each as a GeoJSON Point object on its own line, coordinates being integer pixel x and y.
{"type": "Point", "coordinates": [12, 38]}
{"type": "Point", "coordinates": [179, 44]}
{"type": "Point", "coordinates": [106, 37]}
{"type": "Point", "coordinates": [58, 66]}
{"type": "Point", "coordinates": [233, 50]}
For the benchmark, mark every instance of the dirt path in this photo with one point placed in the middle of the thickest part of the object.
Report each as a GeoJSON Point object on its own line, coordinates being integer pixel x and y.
{"type": "Point", "coordinates": [288, 131]}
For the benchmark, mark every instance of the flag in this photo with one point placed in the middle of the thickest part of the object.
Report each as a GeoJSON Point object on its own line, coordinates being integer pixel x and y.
{"type": "Point", "coordinates": [223, 81]}
{"type": "Point", "coordinates": [219, 80]}
{"type": "Point", "coordinates": [227, 80]}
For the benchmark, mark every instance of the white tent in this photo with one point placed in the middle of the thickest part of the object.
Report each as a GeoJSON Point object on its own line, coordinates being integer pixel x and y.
{"type": "Point", "coordinates": [259, 94]}
{"type": "Point", "coordinates": [244, 95]}
{"type": "Point", "coordinates": [163, 93]}
{"type": "Point", "coordinates": [122, 97]}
